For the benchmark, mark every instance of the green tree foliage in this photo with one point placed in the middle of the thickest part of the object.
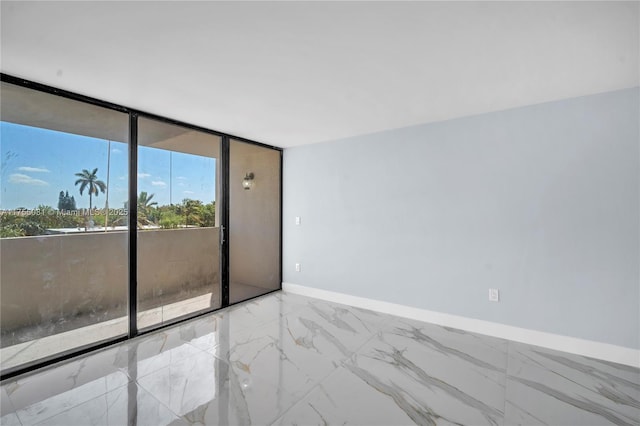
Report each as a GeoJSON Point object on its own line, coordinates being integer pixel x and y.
{"type": "Point", "coordinates": [23, 222]}
{"type": "Point", "coordinates": [192, 210]}
{"type": "Point", "coordinates": [32, 227]}
{"type": "Point", "coordinates": [10, 225]}
{"type": "Point", "coordinates": [10, 230]}
{"type": "Point", "coordinates": [209, 214]}
{"type": "Point", "coordinates": [89, 180]}
{"type": "Point", "coordinates": [65, 202]}
{"type": "Point", "coordinates": [147, 214]}
{"type": "Point", "coordinates": [46, 216]}
{"type": "Point", "coordinates": [116, 218]}
{"type": "Point", "coordinates": [169, 220]}
{"type": "Point", "coordinates": [188, 213]}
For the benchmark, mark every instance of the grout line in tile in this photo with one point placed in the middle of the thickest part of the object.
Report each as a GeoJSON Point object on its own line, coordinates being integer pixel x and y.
{"type": "Point", "coordinates": [307, 393]}
{"type": "Point", "coordinates": [138, 385]}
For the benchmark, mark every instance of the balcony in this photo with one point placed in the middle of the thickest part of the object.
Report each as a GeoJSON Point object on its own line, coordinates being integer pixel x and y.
{"type": "Point", "coordinates": [60, 292]}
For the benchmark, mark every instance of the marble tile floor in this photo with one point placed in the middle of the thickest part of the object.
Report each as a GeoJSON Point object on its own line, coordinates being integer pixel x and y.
{"type": "Point", "coordinates": [284, 359]}
{"type": "Point", "coordinates": [43, 347]}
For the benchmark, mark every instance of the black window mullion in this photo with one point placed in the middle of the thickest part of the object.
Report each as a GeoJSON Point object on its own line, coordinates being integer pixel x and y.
{"type": "Point", "coordinates": [281, 201]}
{"type": "Point", "coordinates": [224, 219]}
{"type": "Point", "coordinates": [133, 224]}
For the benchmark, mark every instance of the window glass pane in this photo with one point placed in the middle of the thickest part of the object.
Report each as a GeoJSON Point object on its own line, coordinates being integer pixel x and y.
{"type": "Point", "coordinates": [178, 222]}
{"type": "Point", "coordinates": [254, 220]}
{"type": "Point", "coordinates": [63, 225]}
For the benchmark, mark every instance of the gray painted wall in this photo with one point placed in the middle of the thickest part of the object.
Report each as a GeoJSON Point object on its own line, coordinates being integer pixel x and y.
{"type": "Point", "coordinates": [541, 202]}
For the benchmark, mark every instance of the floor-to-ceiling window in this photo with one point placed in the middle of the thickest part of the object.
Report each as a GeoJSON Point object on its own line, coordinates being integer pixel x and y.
{"type": "Point", "coordinates": [113, 222]}
{"type": "Point", "coordinates": [254, 220]}
{"type": "Point", "coordinates": [178, 223]}
{"type": "Point", "coordinates": [63, 224]}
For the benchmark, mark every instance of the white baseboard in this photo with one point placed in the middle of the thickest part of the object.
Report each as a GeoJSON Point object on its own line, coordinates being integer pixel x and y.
{"type": "Point", "coordinates": [599, 350]}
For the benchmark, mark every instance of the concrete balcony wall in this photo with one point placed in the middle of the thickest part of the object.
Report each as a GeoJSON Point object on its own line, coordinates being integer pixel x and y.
{"type": "Point", "coordinates": [177, 264]}
{"type": "Point", "coordinates": [51, 280]}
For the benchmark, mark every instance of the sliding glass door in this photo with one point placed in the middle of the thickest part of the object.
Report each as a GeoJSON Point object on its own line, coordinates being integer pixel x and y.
{"type": "Point", "coordinates": [178, 222]}
{"type": "Point", "coordinates": [254, 220]}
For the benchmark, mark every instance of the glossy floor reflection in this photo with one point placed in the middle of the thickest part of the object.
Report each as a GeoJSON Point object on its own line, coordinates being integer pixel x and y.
{"type": "Point", "coordinates": [285, 359]}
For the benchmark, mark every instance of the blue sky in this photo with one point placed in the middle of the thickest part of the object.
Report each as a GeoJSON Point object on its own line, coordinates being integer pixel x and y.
{"type": "Point", "coordinates": [38, 163]}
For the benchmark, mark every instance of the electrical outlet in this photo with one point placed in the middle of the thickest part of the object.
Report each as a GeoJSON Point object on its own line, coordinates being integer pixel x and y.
{"type": "Point", "coordinates": [297, 267]}
{"type": "Point", "coordinates": [298, 220]}
{"type": "Point", "coordinates": [494, 295]}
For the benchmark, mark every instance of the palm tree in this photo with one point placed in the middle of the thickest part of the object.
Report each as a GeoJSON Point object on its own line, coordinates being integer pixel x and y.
{"type": "Point", "coordinates": [90, 180]}
{"type": "Point", "coordinates": [144, 207]}
{"type": "Point", "coordinates": [192, 210]}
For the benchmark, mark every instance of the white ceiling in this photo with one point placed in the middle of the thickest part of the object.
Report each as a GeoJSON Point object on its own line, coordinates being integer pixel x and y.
{"type": "Point", "coordinates": [288, 73]}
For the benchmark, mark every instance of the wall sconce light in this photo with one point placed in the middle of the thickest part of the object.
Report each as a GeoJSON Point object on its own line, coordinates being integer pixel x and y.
{"type": "Point", "coordinates": [247, 182]}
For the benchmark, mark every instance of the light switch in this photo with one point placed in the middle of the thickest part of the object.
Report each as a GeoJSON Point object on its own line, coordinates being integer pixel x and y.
{"type": "Point", "coordinates": [494, 295]}
{"type": "Point", "coordinates": [298, 220]}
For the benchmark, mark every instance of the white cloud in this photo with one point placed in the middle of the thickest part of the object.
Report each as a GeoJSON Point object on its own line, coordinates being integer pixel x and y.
{"type": "Point", "coordinates": [181, 178]}
{"type": "Point", "coordinates": [33, 169]}
{"type": "Point", "coordinates": [116, 151]}
{"type": "Point", "coordinates": [27, 180]}
{"type": "Point", "coordinates": [158, 183]}
{"type": "Point", "coordinates": [143, 175]}
{"type": "Point", "coordinates": [123, 177]}
{"type": "Point", "coordinates": [188, 192]}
